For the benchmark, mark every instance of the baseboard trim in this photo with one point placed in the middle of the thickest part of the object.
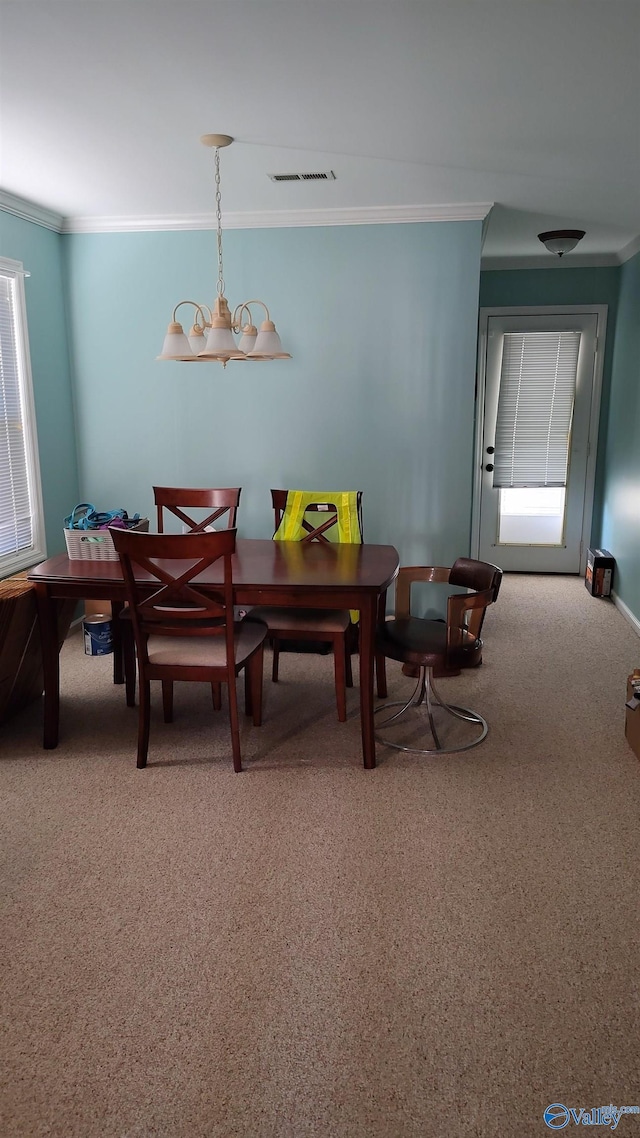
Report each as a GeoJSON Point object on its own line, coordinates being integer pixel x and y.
{"type": "Point", "coordinates": [626, 612]}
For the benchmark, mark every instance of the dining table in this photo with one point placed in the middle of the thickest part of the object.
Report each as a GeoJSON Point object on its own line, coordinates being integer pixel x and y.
{"type": "Point", "coordinates": [321, 575]}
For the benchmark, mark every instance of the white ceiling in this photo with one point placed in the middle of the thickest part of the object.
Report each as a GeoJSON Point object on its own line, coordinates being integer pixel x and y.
{"type": "Point", "coordinates": [533, 105]}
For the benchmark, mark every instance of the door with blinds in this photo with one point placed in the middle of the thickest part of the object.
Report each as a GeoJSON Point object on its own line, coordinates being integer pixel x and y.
{"type": "Point", "coordinates": [536, 446]}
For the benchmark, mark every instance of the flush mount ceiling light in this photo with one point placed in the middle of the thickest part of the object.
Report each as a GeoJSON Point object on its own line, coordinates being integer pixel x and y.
{"type": "Point", "coordinates": [212, 334]}
{"type": "Point", "coordinates": [561, 241]}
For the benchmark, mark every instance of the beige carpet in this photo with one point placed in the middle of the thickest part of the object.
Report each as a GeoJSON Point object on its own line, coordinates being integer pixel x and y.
{"type": "Point", "coordinates": [438, 947]}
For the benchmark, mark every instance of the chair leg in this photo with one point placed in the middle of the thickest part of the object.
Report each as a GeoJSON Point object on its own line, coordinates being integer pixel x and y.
{"type": "Point", "coordinates": [253, 671]}
{"type": "Point", "coordinates": [429, 706]}
{"type": "Point", "coordinates": [216, 695]}
{"type": "Point", "coordinates": [129, 659]}
{"type": "Point", "coordinates": [276, 659]}
{"type": "Point", "coordinates": [118, 644]}
{"type": "Point", "coordinates": [235, 726]}
{"type": "Point", "coordinates": [248, 700]}
{"type": "Point", "coordinates": [144, 717]}
{"type": "Point", "coordinates": [381, 676]}
{"type": "Point", "coordinates": [352, 637]}
{"type": "Point", "coordinates": [347, 668]}
{"type": "Point", "coordinates": [167, 700]}
{"type": "Point", "coordinates": [339, 660]}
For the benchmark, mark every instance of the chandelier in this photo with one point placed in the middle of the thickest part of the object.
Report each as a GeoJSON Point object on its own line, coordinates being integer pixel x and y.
{"type": "Point", "coordinates": [212, 333]}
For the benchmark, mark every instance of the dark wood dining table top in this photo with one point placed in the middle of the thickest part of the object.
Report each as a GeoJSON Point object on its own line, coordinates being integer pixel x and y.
{"type": "Point", "coordinates": [258, 564]}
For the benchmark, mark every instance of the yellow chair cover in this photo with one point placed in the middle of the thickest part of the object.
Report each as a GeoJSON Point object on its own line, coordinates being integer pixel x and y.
{"type": "Point", "coordinates": [298, 501]}
{"type": "Point", "coordinates": [347, 522]}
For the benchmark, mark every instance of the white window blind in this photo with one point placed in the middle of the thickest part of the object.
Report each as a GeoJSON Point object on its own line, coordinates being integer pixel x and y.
{"type": "Point", "coordinates": [535, 408]}
{"type": "Point", "coordinates": [21, 537]}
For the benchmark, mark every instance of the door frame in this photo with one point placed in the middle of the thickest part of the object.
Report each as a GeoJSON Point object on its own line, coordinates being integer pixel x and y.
{"type": "Point", "coordinates": [600, 311]}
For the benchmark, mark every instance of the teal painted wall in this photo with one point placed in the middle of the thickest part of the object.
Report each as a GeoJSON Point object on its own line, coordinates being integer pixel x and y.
{"type": "Point", "coordinates": [40, 252]}
{"type": "Point", "coordinates": [379, 396]}
{"type": "Point", "coordinates": [621, 515]}
{"type": "Point", "coordinates": [549, 286]}
{"type": "Point", "coordinates": [511, 287]}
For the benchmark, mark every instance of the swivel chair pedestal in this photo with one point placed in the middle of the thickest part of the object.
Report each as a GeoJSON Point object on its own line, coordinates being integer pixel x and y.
{"type": "Point", "coordinates": [420, 704]}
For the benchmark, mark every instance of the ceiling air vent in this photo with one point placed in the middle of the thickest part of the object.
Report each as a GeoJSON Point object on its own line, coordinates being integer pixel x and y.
{"type": "Point", "coordinates": [325, 176]}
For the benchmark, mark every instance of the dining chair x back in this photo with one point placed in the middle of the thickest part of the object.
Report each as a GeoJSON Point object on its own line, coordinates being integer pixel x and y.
{"type": "Point", "coordinates": [175, 499]}
{"type": "Point", "coordinates": [185, 630]}
{"type": "Point", "coordinates": [306, 516]}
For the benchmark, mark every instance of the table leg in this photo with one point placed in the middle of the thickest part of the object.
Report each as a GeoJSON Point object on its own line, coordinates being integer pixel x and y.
{"type": "Point", "coordinates": [368, 611]}
{"type": "Point", "coordinates": [48, 622]}
{"type": "Point", "coordinates": [381, 672]}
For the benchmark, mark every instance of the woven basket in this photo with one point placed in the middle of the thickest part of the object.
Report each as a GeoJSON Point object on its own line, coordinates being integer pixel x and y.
{"type": "Point", "coordinates": [96, 544]}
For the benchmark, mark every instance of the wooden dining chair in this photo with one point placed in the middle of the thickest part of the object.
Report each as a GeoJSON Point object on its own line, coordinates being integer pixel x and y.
{"type": "Point", "coordinates": [443, 647]}
{"type": "Point", "coordinates": [175, 500]}
{"type": "Point", "coordinates": [329, 511]}
{"type": "Point", "coordinates": [184, 631]}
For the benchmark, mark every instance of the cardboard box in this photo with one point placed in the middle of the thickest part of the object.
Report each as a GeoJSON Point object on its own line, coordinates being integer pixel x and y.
{"type": "Point", "coordinates": [632, 712]}
{"type": "Point", "coordinates": [599, 575]}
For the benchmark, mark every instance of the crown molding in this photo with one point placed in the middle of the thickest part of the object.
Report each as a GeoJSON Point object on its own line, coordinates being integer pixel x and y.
{"type": "Point", "coordinates": [275, 219]}
{"type": "Point", "coordinates": [485, 226]}
{"type": "Point", "coordinates": [29, 211]}
{"type": "Point", "coordinates": [372, 215]}
{"type": "Point", "coordinates": [629, 250]}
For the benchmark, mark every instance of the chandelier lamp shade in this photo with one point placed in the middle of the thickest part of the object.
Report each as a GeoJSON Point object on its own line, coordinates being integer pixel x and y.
{"type": "Point", "coordinates": [214, 330]}
{"type": "Point", "coordinates": [561, 241]}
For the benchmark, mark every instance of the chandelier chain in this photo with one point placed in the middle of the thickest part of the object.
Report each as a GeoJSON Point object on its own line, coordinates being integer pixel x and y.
{"type": "Point", "coordinates": [220, 285]}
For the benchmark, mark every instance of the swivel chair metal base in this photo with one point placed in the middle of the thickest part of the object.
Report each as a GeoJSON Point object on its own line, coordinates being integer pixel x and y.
{"type": "Point", "coordinates": [424, 695]}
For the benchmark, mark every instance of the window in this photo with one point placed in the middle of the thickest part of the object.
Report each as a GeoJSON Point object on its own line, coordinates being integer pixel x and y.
{"type": "Point", "coordinates": [21, 512]}
{"type": "Point", "coordinates": [533, 435]}
{"type": "Point", "coordinates": [535, 408]}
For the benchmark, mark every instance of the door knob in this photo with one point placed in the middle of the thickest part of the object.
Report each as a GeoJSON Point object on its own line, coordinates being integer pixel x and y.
{"type": "Point", "coordinates": [491, 450]}
{"type": "Point", "coordinates": [489, 466]}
